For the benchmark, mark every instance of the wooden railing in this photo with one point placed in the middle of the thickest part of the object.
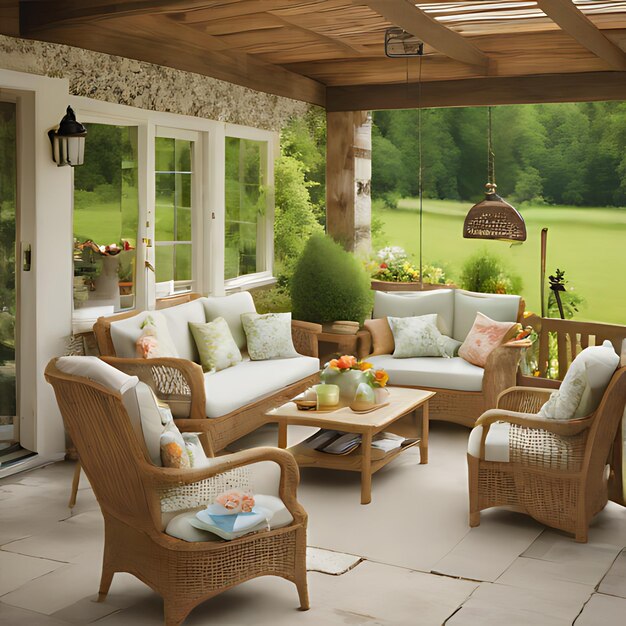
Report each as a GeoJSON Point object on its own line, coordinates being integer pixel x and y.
{"type": "Point", "coordinates": [571, 338]}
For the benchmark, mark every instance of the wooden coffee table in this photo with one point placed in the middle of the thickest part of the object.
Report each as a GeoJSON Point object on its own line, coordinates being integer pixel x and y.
{"type": "Point", "coordinates": [402, 402]}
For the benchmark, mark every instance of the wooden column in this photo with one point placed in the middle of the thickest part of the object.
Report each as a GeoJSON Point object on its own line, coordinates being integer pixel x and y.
{"type": "Point", "coordinates": [348, 179]}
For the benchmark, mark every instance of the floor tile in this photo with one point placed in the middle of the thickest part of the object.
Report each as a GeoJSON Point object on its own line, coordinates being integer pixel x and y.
{"type": "Point", "coordinates": [496, 604]}
{"type": "Point", "coordinates": [68, 540]}
{"type": "Point", "coordinates": [535, 574]}
{"type": "Point", "coordinates": [488, 550]}
{"type": "Point", "coordinates": [13, 616]}
{"type": "Point", "coordinates": [329, 562]}
{"type": "Point", "coordinates": [585, 563]}
{"type": "Point", "coordinates": [73, 583]}
{"type": "Point", "coordinates": [614, 583]}
{"type": "Point", "coordinates": [16, 570]}
{"type": "Point", "coordinates": [603, 610]}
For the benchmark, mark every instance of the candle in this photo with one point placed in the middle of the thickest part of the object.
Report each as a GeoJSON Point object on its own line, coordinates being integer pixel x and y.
{"type": "Point", "coordinates": [327, 395]}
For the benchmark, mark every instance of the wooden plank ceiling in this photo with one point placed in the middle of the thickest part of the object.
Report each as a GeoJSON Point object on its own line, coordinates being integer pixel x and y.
{"type": "Point", "coordinates": [331, 52]}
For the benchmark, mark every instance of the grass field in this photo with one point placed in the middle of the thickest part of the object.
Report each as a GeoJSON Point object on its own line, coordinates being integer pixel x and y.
{"type": "Point", "coordinates": [589, 244]}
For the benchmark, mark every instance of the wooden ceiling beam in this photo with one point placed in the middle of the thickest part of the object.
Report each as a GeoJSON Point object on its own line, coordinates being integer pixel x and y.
{"type": "Point", "coordinates": [36, 15]}
{"type": "Point", "coordinates": [406, 15]}
{"type": "Point", "coordinates": [573, 21]}
{"type": "Point", "coordinates": [484, 91]}
{"type": "Point", "coordinates": [163, 41]}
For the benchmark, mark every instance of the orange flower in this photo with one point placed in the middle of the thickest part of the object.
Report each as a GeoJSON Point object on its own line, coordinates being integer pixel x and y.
{"type": "Point", "coordinates": [364, 366]}
{"type": "Point", "coordinates": [381, 378]}
{"type": "Point", "coordinates": [346, 362]}
{"type": "Point", "coordinates": [333, 364]}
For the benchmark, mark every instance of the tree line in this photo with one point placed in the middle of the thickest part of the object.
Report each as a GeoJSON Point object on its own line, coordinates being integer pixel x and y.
{"type": "Point", "coordinates": [570, 154]}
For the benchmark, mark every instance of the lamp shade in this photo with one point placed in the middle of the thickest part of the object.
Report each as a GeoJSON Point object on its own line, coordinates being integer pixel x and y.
{"type": "Point", "coordinates": [494, 218]}
{"type": "Point", "coordinates": [68, 141]}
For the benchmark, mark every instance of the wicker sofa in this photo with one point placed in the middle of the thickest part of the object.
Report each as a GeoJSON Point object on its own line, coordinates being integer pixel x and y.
{"type": "Point", "coordinates": [464, 391]}
{"type": "Point", "coordinates": [227, 404]}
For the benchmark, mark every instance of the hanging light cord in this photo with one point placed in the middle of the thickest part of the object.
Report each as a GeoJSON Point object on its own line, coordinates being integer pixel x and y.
{"type": "Point", "coordinates": [419, 144]}
{"type": "Point", "coordinates": [491, 158]}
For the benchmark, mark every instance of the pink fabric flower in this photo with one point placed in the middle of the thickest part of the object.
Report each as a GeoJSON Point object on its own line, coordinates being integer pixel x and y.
{"type": "Point", "coordinates": [236, 501]}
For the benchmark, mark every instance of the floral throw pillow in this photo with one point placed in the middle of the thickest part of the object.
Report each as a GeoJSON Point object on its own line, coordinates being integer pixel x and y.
{"type": "Point", "coordinates": [173, 449]}
{"type": "Point", "coordinates": [419, 337]}
{"type": "Point", "coordinates": [268, 336]}
{"type": "Point", "coordinates": [483, 338]}
{"type": "Point", "coordinates": [155, 340]}
{"type": "Point", "coordinates": [216, 345]}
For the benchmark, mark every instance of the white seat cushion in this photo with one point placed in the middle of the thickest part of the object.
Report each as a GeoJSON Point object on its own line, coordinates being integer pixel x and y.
{"type": "Point", "coordinates": [230, 308]}
{"type": "Point", "coordinates": [437, 372]}
{"type": "Point", "coordinates": [178, 318]}
{"type": "Point", "coordinates": [499, 307]}
{"type": "Point", "coordinates": [125, 332]}
{"type": "Point", "coordinates": [248, 381]}
{"type": "Point", "coordinates": [496, 444]}
{"type": "Point", "coordinates": [416, 303]}
{"type": "Point", "coordinates": [180, 527]}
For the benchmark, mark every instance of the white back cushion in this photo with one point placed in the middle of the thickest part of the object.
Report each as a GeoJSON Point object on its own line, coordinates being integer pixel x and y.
{"type": "Point", "coordinates": [178, 318]}
{"type": "Point", "coordinates": [125, 332]}
{"type": "Point", "coordinates": [230, 308]}
{"type": "Point", "coordinates": [94, 369]}
{"type": "Point", "coordinates": [499, 307]}
{"type": "Point", "coordinates": [584, 384]}
{"type": "Point", "coordinates": [145, 417]}
{"type": "Point", "coordinates": [416, 303]}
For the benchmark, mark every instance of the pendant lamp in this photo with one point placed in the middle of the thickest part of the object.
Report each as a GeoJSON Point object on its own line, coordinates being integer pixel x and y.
{"type": "Point", "coordinates": [493, 218]}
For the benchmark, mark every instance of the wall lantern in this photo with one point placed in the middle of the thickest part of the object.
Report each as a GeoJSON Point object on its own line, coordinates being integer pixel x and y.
{"type": "Point", "coordinates": [68, 141]}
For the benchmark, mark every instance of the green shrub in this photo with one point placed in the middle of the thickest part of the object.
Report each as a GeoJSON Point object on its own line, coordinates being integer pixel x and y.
{"type": "Point", "coordinates": [273, 300]}
{"type": "Point", "coordinates": [329, 284]}
{"type": "Point", "coordinates": [486, 273]}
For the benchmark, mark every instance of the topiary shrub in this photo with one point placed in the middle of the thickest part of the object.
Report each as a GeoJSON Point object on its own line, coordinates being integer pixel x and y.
{"type": "Point", "coordinates": [329, 284]}
{"type": "Point", "coordinates": [486, 273]}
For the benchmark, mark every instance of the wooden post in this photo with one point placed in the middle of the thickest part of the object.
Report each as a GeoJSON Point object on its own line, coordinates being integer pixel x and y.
{"type": "Point", "coordinates": [348, 179]}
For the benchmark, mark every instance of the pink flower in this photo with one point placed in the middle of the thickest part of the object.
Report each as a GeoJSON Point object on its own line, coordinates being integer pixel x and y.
{"type": "Point", "coordinates": [236, 501]}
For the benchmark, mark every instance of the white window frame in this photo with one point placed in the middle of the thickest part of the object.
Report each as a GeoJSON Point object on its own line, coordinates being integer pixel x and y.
{"type": "Point", "coordinates": [197, 213]}
{"type": "Point", "coordinates": [266, 253]}
{"type": "Point", "coordinates": [210, 228]}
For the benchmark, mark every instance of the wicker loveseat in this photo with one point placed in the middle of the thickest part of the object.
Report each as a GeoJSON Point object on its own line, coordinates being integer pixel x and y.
{"type": "Point", "coordinates": [464, 391]}
{"type": "Point", "coordinates": [227, 404]}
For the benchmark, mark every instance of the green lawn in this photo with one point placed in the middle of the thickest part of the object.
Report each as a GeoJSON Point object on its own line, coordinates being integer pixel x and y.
{"type": "Point", "coordinates": [588, 243]}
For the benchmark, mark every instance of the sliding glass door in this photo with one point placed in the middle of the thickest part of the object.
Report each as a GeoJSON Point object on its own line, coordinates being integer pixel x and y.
{"type": "Point", "coordinates": [8, 294]}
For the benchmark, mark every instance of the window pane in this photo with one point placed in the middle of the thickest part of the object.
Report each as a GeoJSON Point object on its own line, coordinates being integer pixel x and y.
{"type": "Point", "coordinates": [165, 206]}
{"type": "Point", "coordinates": [164, 258]}
{"type": "Point", "coordinates": [164, 154]}
{"type": "Point", "coordinates": [106, 214]}
{"type": "Point", "coordinates": [183, 262]}
{"type": "Point", "coordinates": [183, 155]}
{"type": "Point", "coordinates": [245, 206]}
{"type": "Point", "coordinates": [183, 207]}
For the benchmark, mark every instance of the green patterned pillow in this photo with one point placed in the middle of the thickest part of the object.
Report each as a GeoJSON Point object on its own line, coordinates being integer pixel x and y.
{"type": "Point", "coordinates": [216, 345]}
{"type": "Point", "coordinates": [268, 335]}
{"type": "Point", "coordinates": [419, 337]}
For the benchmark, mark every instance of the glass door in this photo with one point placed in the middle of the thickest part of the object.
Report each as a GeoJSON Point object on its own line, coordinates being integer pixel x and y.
{"type": "Point", "coordinates": [9, 436]}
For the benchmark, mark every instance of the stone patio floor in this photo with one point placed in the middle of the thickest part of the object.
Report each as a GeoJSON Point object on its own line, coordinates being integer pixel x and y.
{"type": "Point", "coordinates": [421, 564]}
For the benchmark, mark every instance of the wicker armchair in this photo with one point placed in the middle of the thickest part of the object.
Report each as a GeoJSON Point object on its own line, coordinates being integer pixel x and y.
{"type": "Point", "coordinates": [130, 491]}
{"type": "Point", "coordinates": [556, 471]}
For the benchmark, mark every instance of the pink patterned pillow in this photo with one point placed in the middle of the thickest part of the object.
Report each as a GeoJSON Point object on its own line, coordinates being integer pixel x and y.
{"type": "Point", "coordinates": [483, 338]}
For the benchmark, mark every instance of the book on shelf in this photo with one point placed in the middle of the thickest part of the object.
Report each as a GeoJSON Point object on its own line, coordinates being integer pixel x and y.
{"type": "Point", "coordinates": [336, 442]}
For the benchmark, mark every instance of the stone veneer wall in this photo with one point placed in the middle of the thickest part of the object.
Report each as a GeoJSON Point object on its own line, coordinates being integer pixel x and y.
{"type": "Point", "coordinates": [148, 86]}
